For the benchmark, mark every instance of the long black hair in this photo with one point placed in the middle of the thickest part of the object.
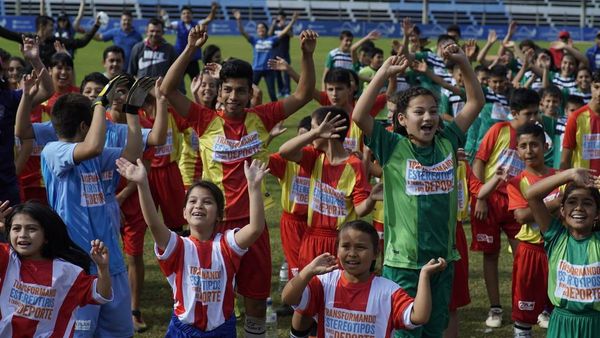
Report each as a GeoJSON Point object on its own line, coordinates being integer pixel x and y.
{"type": "Point", "coordinates": [57, 243]}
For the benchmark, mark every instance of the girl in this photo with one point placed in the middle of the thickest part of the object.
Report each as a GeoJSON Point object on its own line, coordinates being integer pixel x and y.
{"type": "Point", "coordinates": [15, 71]}
{"type": "Point", "coordinates": [419, 165]}
{"type": "Point", "coordinates": [373, 305]}
{"type": "Point", "coordinates": [44, 275]}
{"type": "Point", "coordinates": [201, 268]}
{"type": "Point", "coordinates": [212, 54]}
{"type": "Point", "coordinates": [573, 249]}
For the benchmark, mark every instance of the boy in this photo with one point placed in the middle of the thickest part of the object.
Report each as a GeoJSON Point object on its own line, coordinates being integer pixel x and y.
{"type": "Point", "coordinates": [583, 81]}
{"type": "Point", "coordinates": [489, 216]}
{"type": "Point", "coordinates": [341, 56]}
{"type": "Point", "coordinates": [339, 189]}
{"type": "Point", "coordinates": [113, 61]}
{"type": "Point", "coordinates": [92, 85]}
{"type": "Point", "coordinates": [574, 102]}
{"type": "Point", "coordinates": [230, 136]}
{"type": "Point", "coordinates": [367, 73]}
{"type": "Point", "coordinates": [530, 267]}
{"type": "Point", "coordinates": [75, 169]}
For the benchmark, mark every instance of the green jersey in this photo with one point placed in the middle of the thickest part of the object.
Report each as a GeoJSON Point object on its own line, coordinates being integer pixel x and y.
{"type": "Point", "coordinates": [574, 269]}
{"type": "Point", "coordinates": [420, 196]}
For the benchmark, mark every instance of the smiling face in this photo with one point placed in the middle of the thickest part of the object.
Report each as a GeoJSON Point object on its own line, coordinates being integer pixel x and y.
{"type": "Point", "coordinates": [376, 61]}
{"type": "Point", "coordinates": [62, 76]}
{"type": "Point", "coordinates": [550, 105]}
{"type": "Point", "coordinates": [579, 210]}
{"type": "Point", "coordinates": [186, 16]}
{"type": "Point", "coordinates": [154, 34]}
{"type": "Point", "coordinates": [345, 43]}
{"type": "Point", "coordinates": [235, 94]}
{"type": "Point", "coordinates": [126, 22]}
{"type": "Point", "coordinates": [584, 80]}
{"type": "Point", "coordinates": [261, 30]}
{"type": "Point", "coordinates": [113, 64]}
{"type": "Point", "coordinates": [208, 90]}
{"type": "Point", "coordinates": [543, 60]}
{"type": "Point", "coordinates": [567, 65]}
{"type": "Point", "coordinates": [531, 150]}
{"type": "Point", "coordinates": [27, 236]}
{"type": "Point", "coordinates": [201, 210]}
{"type": "Point", "coordinates": [421, 119]}
{"type": "Point", "coordinates": [14, 72]}
{"type": "Point", "coordinates": [356, 254]}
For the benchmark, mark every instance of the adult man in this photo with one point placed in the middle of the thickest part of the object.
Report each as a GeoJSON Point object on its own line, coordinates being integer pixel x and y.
{"type": "Point", "coordinates": [124, 36]}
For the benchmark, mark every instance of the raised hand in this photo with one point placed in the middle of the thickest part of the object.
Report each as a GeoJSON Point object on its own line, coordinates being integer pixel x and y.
{"type": "Point", "coordinates": [502, 174]}
{"type": "Point", "coordinates": [5, 210]}
{"type": "Point", "coordinates": [373, 35]}
{"type": "Point", "coordinates": [434, 265]}
{"type": "Point", "coordinates": [213, 69]}
{"type": "Point", "coordinates": [132, 172]}
{"type": "Point", "coordinates": [295, 16]}
{"type": "Point", "coordinates": [30, 84]}
{"type": "Point", "coordinates": [30, 47]}
{"type": "Point", "coordinates": [454, 54]}
{"type": "Point", "coordinates": [278, 63]}
{"type": "Point", "coordinates": [558, 45]}
{"type": "Point", "coordinates": [512, 28]}
{"type": "Point", "coordinates": [277, 130]}
{"type": "Point", "coordinates": [585, 177]}
{"type": "Point", "coordinates": [461, 155]}
{"type": "Point", "coordinates": [195, 85]}
{"type": "Point", "coordinates": [137, 94]}
{"type": "Point", "coordinates": [395, 65]}
{"type": "Point", "coordinates": [330, 126]}
{"type": "Point", "coordinates": [255, 172]}
{"type": "Point", "coordinates": [160, 97]}
{"type": "Point", "coordinates": [407, 26]}
{"type": "Point", "coordinates": [492, 37]}
{"type": "Point", "coordinates": [237, 15]}
{"type": "Point", "coordinates": [109, 92]}
{"type": "Point", "coordinates": [471, 49]}
{"type": "Point", "coordinates": [99, 253]}
{"type": "Point", "coordinates": [322, 264]}
{"type": "Point", "coordinates": [419, 66]}
{"type": "Point", "coordinates": [308, 41]}
{"type": "Point", "coordinates": [60, 47]}
{"type": "Point", "coordinates": [197, 36]}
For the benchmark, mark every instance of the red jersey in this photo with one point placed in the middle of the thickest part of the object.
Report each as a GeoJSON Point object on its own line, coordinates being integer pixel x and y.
{"type": "Point", "coordinates": [295, 183]}
{"type": "Point", "coordinates": [582, 136]}
{"type": "Point", "coordinates": [171, 150]}
{"type": "Point", "coordinates": [227, 142]}
{"type": "Point", "coordinates": [201, 274]}
{"type": "Point", "coordinates": [370, 309]}
{"type": "Point", "coordinates": [40, 297]}
{"type": "Point", "coordinates": [334, 189]}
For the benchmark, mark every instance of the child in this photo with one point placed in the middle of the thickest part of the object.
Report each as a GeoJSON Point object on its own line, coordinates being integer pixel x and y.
{"type": "Point", "coordinates": [369, 71]}
{"type": "Point", "coordinates": [572, 60]}
{"type": "Point", "coordinates": [45, 274]}
{"type": "Point", "coordinates": [553, 121]}
{"type": "Point", "coordinates": [262, 50]}
{"type": "Point", "coordinates": [491, 215]}
{"type": "Point", "coordinates": [232, 135]}
{"type": "Point", "coordinates": [530, 267]}
{"type": "Point", "coordinates": [93, 84]}
{"type": "Point", "coordinates": [340, 57]}
{"type": "Point", "coordinates": [370, 305]}
{"type": "Point", "coordinates": [581, 141]}
{"type": "Point", "coordinates": [573, 104]}
{"type": "Point", "coordinates": [201, 268]}
{"type": "Point", "coordinates": [573, 248]}
{"type": "Point", "coordinates": [339, 190]}
{"type": "Point", "coordinates": [583, 88]}
{"type": "Point", "coordinates": [420, 167]}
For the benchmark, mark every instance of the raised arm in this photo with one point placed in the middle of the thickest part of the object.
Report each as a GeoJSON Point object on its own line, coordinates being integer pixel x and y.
{"type": "Point", "coordinates": [292, 149]}
{"type": "Point", "coordinates": [23, 127]}
{"type": "Point", "coordinates": [280, 64]}
{"type": "Point", "coordinates": [23, 155]}
{"type": "Point", "coordinates": [77, 21]}
{"type": "Point", "coordinates": [196, 39]}
{"type": "Point", "coordinates": [475, 99]}
{"type": "Point", "coordinates": [137, 173]}
{"type": "Point", "coordinates": [392, 66]}
{"type": "Point", "coordinates": [292, 292]}
{"type": "Point", "coordinates": [568, 48]}
{"type": "Point", "coordinates": [158, 134]}
{"type": "Point", "coordinates": [491, 40]}
{"type": "Point", "coordinates": [31, 52]}
{"type": "Point", "coordinates": [306, 84]}
{"type": "Point", "coordinates": [212, 14]}
{"type": "Point", "coordinates": [490, 186]}
{"type": "Point", "coordinates": [422, 304]}
{"type": "Point", "coordinates": [135, 98]}
{"type": "Point", "coordinates": [288, 28]}
{"type": "Point", "coordinates": [255, 172]}
{"type": "Point", "coordinates": [366, 206]}
{"type": "Point", "coordinates": [80, 43]}
{"type": "Point", "coordinates": [238, 19]}
{"type": "Point", "coordinates": [10, 35]}
{"type": "Point", "coordinates": [421, 67]}
{"type": "Point", "coordinates": [99, 254]}
{"type": "Point", "coordinates": [373, 35]}
{"type": "Point", "coordinates": [407, 29]}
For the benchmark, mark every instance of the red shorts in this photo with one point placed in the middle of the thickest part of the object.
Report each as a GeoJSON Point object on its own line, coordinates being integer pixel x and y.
{"type": "Point", "coordinates": [316, 242]}
{"type": "Point", "coordinates": [486, 233]}
{"type": "Point", "coordinates": [168, 193]}
{"type": "Point", "coordinates": [379, 227]}
{"type": "Point", "coordinates": [34, 193]}
{"type": "Point", "coordinates": [292, 231]}
{"type": "Point", "coordinates": [134, 229]}
{"type": "Point", "coordinates": [253, 279]}
{"type": "Point", "coordinates": [460, 284]}
{"type": "Point", "coordinates": [529, 283]}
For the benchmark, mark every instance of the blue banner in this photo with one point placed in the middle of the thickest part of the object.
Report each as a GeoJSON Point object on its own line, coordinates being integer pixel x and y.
{"type": "Point", "coordinates": [333, 28]}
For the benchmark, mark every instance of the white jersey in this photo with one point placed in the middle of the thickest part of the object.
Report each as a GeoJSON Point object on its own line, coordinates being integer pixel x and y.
{"type": "Point", "coordinates": [370, 309]}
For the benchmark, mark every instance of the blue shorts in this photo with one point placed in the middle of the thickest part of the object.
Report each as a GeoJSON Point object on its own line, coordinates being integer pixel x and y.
{"type": "Point", "coordinates": [177, 329]}
{"type": "Point", "coordinates": [112, 319]}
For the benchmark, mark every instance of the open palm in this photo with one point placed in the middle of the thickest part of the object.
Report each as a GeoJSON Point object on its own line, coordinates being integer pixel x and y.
{"type": "Point", "coordinates": [132, 172]}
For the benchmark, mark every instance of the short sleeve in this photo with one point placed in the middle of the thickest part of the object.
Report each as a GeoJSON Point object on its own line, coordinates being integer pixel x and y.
{"type": "Point", "coordinates": [515, 198]}
{"type": "Point", "coordinates": [108, 35]}
{"type": "Point", "coordinates": [570, 136]}
{"type": "Point", "coordinates": [309, 157]}
{"type": "Point", "coordinates": [402, 305]}
{"type": "Point", "coordinates": [453, 134]}
{"type": "Point", "coordinates": [180, 122]}
{"type": "Point", "coordinates": [109, 157]}
{"type": "Point", "coordinates": [58, 157]}
{"type": "Point", "coordinates": [252, 40]}
{"type": "Point", "coordinates": [200, 117]}
{"type": "Point", "coordinates": [487, 144]}
{"type": "Point", "coordinates": [324, 99]}
{"type": "Point", "coordinates": [312, 299]}
{"type": "Point", "coordinates": [169, 259]}
{"type": "Point", "coordinates": [277, 165]}
{"type": "Point", "coordinates": [44, 133]}
{"type": "Point", "coordinates": [382, 143]}
{"type": "Point", "coordinates": [554, 231]}
{"type": "Point", "coordinates": [380, 102]}
{"type": "Point", "coordinates": [229, 240]}
{"type": "Point", "coordinates": [474, 183]}
{"type": "Point", "coordinates": [362, 188]}
{"type": "Point", "coordinates": [270, 113]}
{"type": "Point", "coordinates": [329, 61]}
{"type": "Point", "coordinates": [84, 290]}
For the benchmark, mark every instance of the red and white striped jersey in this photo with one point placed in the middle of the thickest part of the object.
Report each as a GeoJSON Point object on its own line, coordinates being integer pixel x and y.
{"type": "Point", "coordinates": [39, 298]}
{"type": "Point", "coordinates": [201, 274]}
{"type": "Point", "coordinates": [370, 309]}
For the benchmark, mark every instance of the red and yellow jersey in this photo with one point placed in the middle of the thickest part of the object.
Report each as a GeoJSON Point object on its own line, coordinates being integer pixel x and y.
{"type": "Point", "coordinates": [295, 183]}
{"type": "Point", "coordinates": [516, 190]}
{"type": "Point", "coordinates": [354, 137]}
{"type": "Point", "coordinates": [498, 149]}
{"type": "Point", "coordinates": [171, 150]}
{"type": "Point", "coordinates": [190, 162]}
{"type": "Point", "coordinates": [334, 189]}
{"type": "Point", "coordinates": [31, 176]}
{"type": "Point", "coordinates": [227, 142]}
{"type": "Point", "coordinates": [582, 136]}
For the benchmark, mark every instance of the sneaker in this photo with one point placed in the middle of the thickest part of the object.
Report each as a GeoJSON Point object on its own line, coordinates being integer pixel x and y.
{"type": "Point", "coordinates": [138, 322]}
{"type": "Point", "coordinates": [523, 334]}
{"type": "Point", "coordinates": [494, 319]}
{"type": "Point", "coordinates": [543, 319]}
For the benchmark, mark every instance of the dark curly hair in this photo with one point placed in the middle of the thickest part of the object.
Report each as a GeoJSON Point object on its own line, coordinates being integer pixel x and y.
{"type": "Point", "coordinates": [403, 103]}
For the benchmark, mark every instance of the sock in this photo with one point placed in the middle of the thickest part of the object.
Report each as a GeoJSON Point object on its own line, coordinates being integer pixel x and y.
{"type": "Point", "coordinates": [254, 327]}
{"type": "Point", "coordinates": [496, 308]}
{"type": "Point", "coordinates": [299, 334]}
{"type": "Point", "coordinates": [522, 329]}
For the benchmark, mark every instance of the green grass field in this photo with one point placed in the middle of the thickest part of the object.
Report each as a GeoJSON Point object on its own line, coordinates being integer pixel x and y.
{"type": "Point", "coordinates": [156, 297]}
